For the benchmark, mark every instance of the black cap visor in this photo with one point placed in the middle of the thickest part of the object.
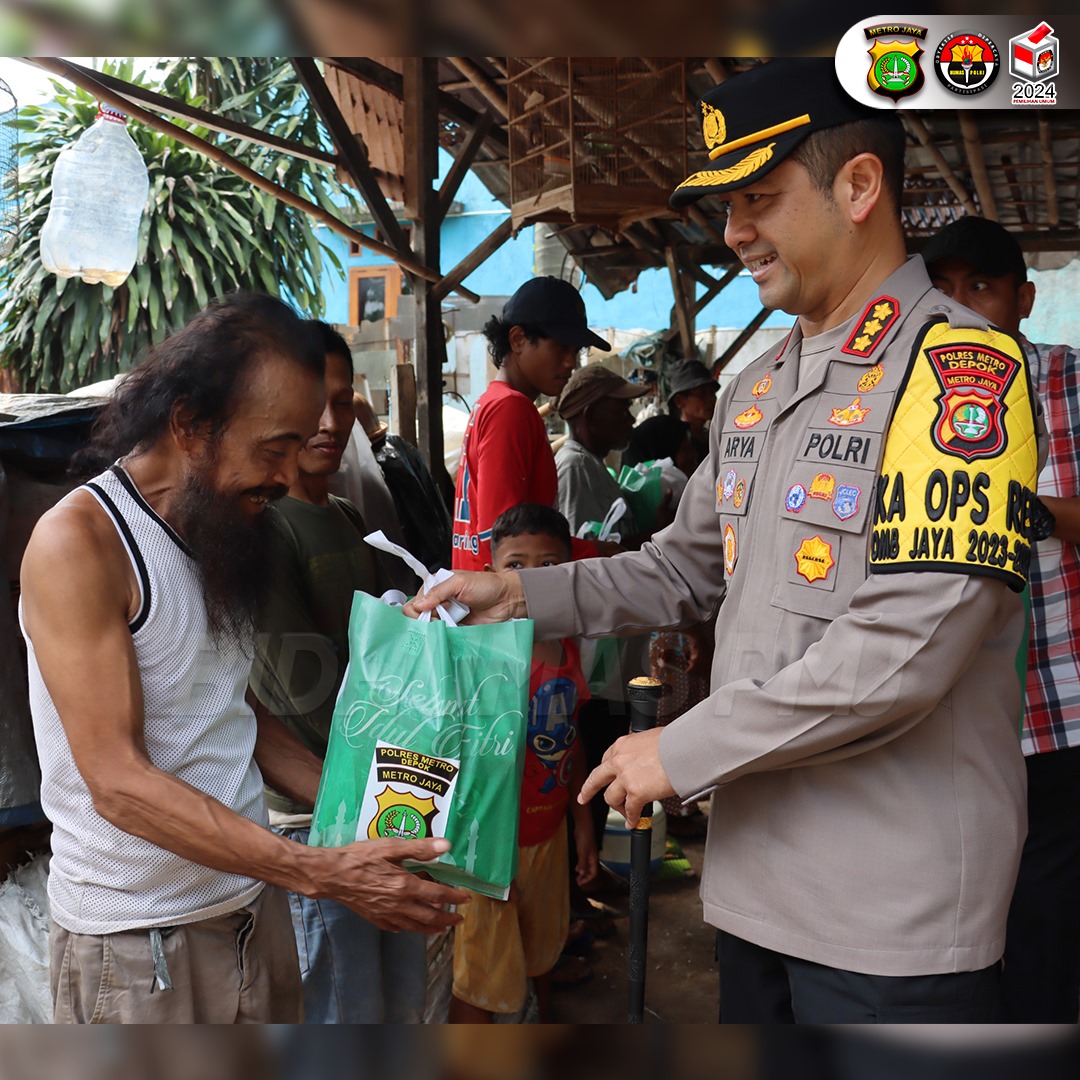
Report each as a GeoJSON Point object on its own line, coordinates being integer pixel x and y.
{"type": "Point", "coordinates": [574, 336]}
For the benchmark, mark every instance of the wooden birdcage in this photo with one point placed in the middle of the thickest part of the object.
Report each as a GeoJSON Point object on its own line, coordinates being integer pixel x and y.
{"type": "Point", "coordinates": [595, 140]}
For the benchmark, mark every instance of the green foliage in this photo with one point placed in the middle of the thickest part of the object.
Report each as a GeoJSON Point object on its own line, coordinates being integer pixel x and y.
{"type": "Point", "coordinates": [205, 231]}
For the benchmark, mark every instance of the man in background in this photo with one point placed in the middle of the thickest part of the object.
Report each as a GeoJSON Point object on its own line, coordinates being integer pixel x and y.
{"type": "Point", "coordinates": [353, 972]}
{"type": "Point", "coordinates": [979, 264]}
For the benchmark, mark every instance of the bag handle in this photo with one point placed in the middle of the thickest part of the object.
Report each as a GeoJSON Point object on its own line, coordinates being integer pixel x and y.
{"type": "Point", "coordinates": [618, 508]}
{"type": "Point", "coordinates": [453, 611]}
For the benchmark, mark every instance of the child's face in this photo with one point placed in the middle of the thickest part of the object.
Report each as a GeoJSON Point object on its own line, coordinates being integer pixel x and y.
{"type": "Point", "coordinates": [528, 552]}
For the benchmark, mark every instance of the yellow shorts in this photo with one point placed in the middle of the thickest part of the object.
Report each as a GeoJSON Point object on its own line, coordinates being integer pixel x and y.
{"type": "Point", "coordinates": [500, 943]}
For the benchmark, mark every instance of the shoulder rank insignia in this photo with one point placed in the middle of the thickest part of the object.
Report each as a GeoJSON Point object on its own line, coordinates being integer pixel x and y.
{"type": "Point", "coordinates": [814, 559]}
{"type": "Point", "coordinates": [869, 331]}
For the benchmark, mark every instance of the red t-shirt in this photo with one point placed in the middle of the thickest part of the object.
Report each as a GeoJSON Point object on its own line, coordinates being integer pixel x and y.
{"type": "Point", "coordinates": [555, 695]}
{"type": "Point", "coordinates": [506, 459]}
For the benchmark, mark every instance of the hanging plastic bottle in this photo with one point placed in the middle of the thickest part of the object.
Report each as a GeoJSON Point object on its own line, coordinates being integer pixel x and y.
{"type": "Point", "coordinates": [99, 189]}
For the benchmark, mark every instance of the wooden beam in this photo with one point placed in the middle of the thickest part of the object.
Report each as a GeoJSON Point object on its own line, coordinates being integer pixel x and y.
{"type": "Point", "coordinates": [733, 349]}
{"type": "Point", "coordinates": [684, 318]}
{"type": "Point", "coordinates": [716, 288]}
{"type": "Point", "coordinates": [716, 69]}
{"type": "Point", "coordinates": [920, 131]}
{"type": "Point", "coordinates": [977, 160]}
{"type": "Point", "coordinates": [1053, 214]}
{"type": "Point", "coordinates": [172, 107]}
{"type": "Point", "coordinates": [403, 402]}
{"type": "Point", "coordinates": [462, 163]}
{"type": "Point", "coordinates": [697, 216]}
{"type": "Point", "coordinates": [215, 153]}
{"type": "Point", "coordinates": [476, 75]}
{"type": "Point", "coordinates": [351, 150]}
{"type": "Point", "coordinates": [479, 254]}
{"type": "Point", "coordinates": [1014, 188]}
{"type": "Point", "coordinates": [421, 169]}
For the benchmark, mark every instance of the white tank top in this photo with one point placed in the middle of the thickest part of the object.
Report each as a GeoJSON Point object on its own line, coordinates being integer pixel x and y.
{"type": "Point", "coordinates": [197, 726]}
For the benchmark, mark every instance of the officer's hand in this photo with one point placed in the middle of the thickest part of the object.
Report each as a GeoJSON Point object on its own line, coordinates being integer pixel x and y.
{"type": "Point", "coordinates": [632, 773]}
{"type": "Point", "coordinates": [490, 597]}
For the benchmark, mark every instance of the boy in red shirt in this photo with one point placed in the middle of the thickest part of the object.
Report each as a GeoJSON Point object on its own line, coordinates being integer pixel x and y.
{"type": "Point", "coordinates": [506, 458]}
{"type": "Point", "coordinates": [502, 943]}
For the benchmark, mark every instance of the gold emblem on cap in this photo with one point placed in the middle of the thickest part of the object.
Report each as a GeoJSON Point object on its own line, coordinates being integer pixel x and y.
{"type": "Point", "coordinates": [714, 177]}
{"type": "Point", "coordinates": [713, 125]}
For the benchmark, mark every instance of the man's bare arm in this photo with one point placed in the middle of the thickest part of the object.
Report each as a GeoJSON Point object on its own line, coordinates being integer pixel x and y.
{"type": "Point", "coordinates": [1067, 515]}
{"type": "Point", "coordinates": [286, 763]}
{"type": "Point", "coordinates": [77, 599]}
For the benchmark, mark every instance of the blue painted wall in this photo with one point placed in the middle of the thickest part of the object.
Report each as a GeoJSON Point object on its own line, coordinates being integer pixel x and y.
{"type": "Point", "coordinates": [648, 308]}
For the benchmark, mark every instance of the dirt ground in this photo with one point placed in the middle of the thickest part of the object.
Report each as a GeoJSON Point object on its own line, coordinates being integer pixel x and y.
{"type": "Point", "coordinates": [681, 983]}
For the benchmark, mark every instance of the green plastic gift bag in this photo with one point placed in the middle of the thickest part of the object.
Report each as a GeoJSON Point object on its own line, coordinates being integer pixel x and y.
{"type": "Point", "coordinates": [642, 490]}
{"type": "Point", "coordinates": [428, 739]}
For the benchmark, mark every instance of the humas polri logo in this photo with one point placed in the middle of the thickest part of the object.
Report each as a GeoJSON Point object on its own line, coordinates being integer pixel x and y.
{"type": "Point", "coordinates": [966, 62]}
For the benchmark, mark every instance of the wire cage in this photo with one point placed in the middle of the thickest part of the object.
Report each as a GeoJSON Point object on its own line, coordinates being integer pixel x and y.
{"type": "Point", "coordinates": [599, 140]}
{"type": "Point", "coordinates": [9, 170]}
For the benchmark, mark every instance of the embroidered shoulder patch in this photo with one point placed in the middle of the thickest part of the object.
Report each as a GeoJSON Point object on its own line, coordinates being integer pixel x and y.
{"type": "Point", "coordinates": [957, 485]}
{"type": "Point", "coordinates": [871, 329]}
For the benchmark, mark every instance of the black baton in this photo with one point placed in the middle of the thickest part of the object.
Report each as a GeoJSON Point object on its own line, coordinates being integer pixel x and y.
{"type": "Point", "coordinates": [644, 696]}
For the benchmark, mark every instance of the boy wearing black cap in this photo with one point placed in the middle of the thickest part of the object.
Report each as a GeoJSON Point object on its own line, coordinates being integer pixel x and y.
{"type": "Point", "coordinates": [505, 456]}
{"type": "Point", "coordinates": [980, 264]}
{"type": "Point", "coordinates": [863, 524]}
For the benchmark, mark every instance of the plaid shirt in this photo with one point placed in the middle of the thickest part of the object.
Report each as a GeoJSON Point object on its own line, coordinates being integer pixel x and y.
{"type": "Point", "coordinates": [1052, 706]}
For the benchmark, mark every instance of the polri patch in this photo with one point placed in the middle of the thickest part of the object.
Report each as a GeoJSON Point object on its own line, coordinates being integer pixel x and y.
{"type": "Point", "coordinates": [871, 329]}
{"type": "Point", "coordinates": [823, 486]}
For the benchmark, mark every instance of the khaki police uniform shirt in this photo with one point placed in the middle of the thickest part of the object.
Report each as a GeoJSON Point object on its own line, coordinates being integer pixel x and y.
{"type": "Point", "coordinates": [861, 741]}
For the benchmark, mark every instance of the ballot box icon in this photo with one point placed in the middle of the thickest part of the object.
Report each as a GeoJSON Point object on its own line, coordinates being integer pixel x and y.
{"type": "Point", "coordinates": [1033, 55]}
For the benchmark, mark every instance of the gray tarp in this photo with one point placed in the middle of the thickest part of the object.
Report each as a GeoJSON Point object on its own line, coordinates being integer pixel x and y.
{"type": "Point", "coordinates": [19, 775]}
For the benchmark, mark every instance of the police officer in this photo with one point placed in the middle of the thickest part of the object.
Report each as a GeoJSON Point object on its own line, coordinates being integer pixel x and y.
{"type": "Point", "coordinates": [864, 521]}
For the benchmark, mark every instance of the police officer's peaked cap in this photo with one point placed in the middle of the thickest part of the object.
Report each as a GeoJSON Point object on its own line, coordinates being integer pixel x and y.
{"type": "Point", "coordinates": [754, 120]}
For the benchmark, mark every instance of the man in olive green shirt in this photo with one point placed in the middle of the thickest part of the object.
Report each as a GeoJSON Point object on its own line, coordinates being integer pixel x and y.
{"type": "Point", "coordinates": [352, 971]}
